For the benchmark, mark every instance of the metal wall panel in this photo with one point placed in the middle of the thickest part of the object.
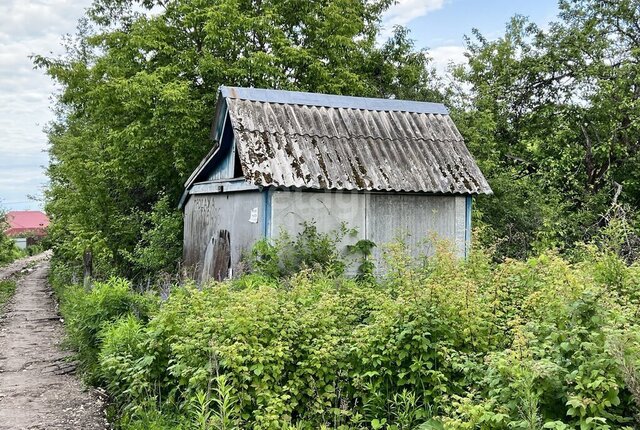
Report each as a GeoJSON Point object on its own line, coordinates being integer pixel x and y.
{"type": "Point", "coordinates": [207, 214]}
{"type": "Point", "coordinates": [21, 242]}
{"type": "Point", "coordinates": [224, 170]}
{"type": "Point", "coordinates": [225, 161]}
{"type": "Point", "coordinates": [416, 219]}
{"type": "Point", "coordinates": [328, 210]}
{"type": "Point", "coordinates": [381, 218]}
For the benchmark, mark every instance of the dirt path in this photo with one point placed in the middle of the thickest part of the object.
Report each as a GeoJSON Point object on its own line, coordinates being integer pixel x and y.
{"type": "Point", "coordinates": [38, 389]}
{"type": "Point", "coordinates": [17, 266]}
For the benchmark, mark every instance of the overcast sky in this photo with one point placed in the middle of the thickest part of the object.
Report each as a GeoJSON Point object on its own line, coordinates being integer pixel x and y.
{"type": "Point", "coordinates": [36, 26]}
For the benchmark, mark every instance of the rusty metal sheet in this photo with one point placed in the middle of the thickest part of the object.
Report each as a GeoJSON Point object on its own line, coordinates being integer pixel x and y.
{"type": "Point", "coordinates": [336, 147]}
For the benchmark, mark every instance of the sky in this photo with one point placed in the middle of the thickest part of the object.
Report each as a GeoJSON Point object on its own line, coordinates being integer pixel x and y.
{"type": "Point", "coordinates": [28, 27]}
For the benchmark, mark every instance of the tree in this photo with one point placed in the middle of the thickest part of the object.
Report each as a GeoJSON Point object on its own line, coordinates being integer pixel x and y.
{"type": "Point", "coordinates": [554, 118]}
{"type": "Point", "coordinates": [139, 84]}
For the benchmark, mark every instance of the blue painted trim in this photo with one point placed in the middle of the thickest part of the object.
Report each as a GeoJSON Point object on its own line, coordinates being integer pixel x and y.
{"type": "Point", "coordinates": [467, 228]}
{"type": "Point", "coordinates": [330, 100]}
{"type": "Point", "coordinates": [266, 216]}
{"type": "Point", "coordinates": [222, 186]}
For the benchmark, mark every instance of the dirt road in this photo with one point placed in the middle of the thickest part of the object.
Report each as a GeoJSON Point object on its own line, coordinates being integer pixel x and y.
{"type": "Point", "coordinates": [17, 266]}
{"type": "Point", "coordinates": [38, 388]}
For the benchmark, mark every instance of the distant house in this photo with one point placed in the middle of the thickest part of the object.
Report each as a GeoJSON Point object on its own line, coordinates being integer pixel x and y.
{"type": "Point", "coordinates": [385, 167]}
{"type": "Point", "coordinates": [23, 224]}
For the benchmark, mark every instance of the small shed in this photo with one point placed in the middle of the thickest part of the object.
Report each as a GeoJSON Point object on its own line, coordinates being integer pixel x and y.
{"type": "Point", "coordinates": [385, 167]}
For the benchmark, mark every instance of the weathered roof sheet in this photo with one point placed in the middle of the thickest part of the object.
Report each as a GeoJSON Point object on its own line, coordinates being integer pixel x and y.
{"type": "Point", "coordinates": [318, 141]}
{"type": "Point", "coordinates": [324, 142]}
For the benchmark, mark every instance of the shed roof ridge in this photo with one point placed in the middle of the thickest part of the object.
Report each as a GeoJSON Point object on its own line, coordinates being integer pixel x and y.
{"type": "Point", "coordinates": [301, 98]}
{"type": "Point", "coordinates": [355, 108]}
{"type": "Point", "coordinates": [352, 136]}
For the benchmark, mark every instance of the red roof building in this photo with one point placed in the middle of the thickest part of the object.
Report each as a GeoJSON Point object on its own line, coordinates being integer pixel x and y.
{"type": "Point", "coordinates": [26, 222]}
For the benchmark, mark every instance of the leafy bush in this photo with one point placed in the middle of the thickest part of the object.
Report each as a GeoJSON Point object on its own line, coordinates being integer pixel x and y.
{"type": "Point", "coordinates": [7, 288]}
{"type": "Point", "coordinates": [87, 313]}
{"type": "Point", "coordinates": [160, 247]}
{"type": "Point", "coordinates": [436, 343]}
{"type": "Point", "coordinates": [309, 249]}
{"type": "Point", "coordinates": [8, 249]}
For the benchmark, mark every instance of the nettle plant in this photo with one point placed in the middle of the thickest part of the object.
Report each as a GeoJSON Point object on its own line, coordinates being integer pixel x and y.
{"type": "Point", "coordinates": [309, 249]}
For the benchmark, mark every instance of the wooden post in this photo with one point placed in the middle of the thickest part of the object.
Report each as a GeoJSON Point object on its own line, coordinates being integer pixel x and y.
{"type": "Point", "coordinates": [87, 263]}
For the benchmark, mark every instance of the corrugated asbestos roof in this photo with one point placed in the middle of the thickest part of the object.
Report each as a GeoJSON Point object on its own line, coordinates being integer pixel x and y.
{"type": "Point", "coordinates": [318, 141]}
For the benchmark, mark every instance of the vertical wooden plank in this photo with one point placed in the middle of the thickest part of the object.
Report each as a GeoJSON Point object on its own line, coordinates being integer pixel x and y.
{"type": "Point", "coordinates": [222, 256]}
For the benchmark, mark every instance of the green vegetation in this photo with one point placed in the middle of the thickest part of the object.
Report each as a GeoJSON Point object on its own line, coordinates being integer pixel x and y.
{"type": "Point", "coordinates": [553, 118]}
{"type": "Point", "coordinates": [538, 331]}
{"type": "Point", "coordinates": [8, 249]}
{"type": "Point", "coordinates": [7, 288]}
{"type": "Point", "coordinates": [550, 114]}
{"type": "Point", "coordinates": [436, 343]}
{"type": "Point", "coordinates": [89, 313]}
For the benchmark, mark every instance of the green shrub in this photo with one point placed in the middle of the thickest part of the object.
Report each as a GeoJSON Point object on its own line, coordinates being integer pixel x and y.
{"type": "Point", "coordinates": [160, 245]}
{"type": "Point", "coordinates": [87, 313]}
{"type": "Point", "coordinates": [8, 249]}
{"type": "Point", "coordinates": [310, 249]}
{"type": "Point", "coordinates": [7, 288]}
{"type": "Point", "coordinates": [62, 275]}
{"type": "Point", "coordinates": [122, 365]}
{"type": "Point", "coordinates": [435, 343]}
{"type": "Point", "coordinates": [284, 351]}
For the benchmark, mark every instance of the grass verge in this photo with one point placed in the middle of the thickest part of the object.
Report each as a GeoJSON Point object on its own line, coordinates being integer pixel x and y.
{"type": "Point", "coordinates": [7, 288]}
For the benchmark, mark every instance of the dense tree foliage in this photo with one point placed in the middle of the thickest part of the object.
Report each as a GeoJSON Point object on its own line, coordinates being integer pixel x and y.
{"type": "Point", "coordinates": [8, 249]}
{"type": "Point", "coordinates": [139, 84]}
{"type": "Point", "coordinates": [554, 120]}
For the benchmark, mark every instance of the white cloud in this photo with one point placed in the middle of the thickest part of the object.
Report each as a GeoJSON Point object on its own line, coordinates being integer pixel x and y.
{"type": "Point", "coordinates": [27, 19]}
{"type": "Point", "coordinates": [405, 11]}
{"type": "Point", "coordinates": [444, 56]}
{"type": "Point", "coordinates": [28, 27]}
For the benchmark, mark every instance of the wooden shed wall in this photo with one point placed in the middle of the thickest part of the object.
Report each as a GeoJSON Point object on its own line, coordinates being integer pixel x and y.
{"type": "Point", "coordinates": [206, 215]}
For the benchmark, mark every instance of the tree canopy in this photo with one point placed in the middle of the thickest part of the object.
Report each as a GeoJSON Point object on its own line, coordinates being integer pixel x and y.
{"type": "Point", "coordinates": [139, 83]}
{"type": "Point", "coordinates": [554, 119]}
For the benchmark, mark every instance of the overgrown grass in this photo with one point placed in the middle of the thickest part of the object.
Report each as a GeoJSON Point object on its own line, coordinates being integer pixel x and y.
{"type": "Point", "coordinates": [7, 289]}
{"type": "Point", "coordinates": [436, 343]}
